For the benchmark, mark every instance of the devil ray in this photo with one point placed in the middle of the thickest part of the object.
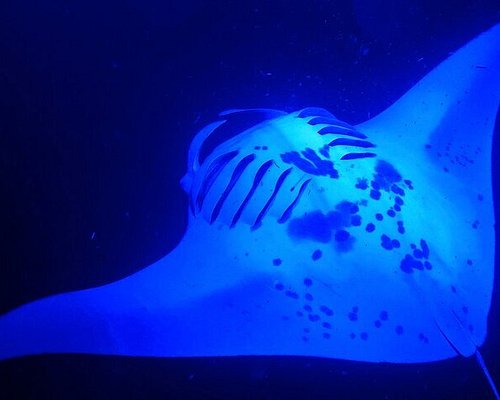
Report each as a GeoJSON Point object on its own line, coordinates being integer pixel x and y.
{"type": "Point", "coordinates": [310, 236]}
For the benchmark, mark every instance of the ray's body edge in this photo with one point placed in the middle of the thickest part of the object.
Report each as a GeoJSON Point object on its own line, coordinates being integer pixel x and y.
{"type": "Point", "coordinates": [163, 311]}
{"type": "Point", "coordinates": [203, 300]}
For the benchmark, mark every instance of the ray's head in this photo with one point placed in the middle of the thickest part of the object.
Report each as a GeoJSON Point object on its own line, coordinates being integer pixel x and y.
{"type": "Point", "coordinates": [307, 173]}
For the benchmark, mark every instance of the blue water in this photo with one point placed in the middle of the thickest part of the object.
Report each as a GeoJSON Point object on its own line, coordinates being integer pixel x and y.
{"type": "Point", "coordinates": [99, 103]}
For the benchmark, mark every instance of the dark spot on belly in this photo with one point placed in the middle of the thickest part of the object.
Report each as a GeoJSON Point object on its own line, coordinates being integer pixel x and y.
{"type": "Point", "coordinates": [362, 184]}
{"type": "Point", "coordinates": [387, 243]}
{"type": "Point", "coordinates": [326, 310]}
{"type": "Point", "coordinates": [408, 264]}
{"type": "Point", "coordinates": [356, 220]}
{"type": "Point", "coordinates": [386, 175]}
{"type": "Point", "coordinates": [322, 228]}
{"type": "Point", "coordinates": [314, 317]}
{"type": "Point", "coordinates": [341, 236]}
{"type": "Point", "coordinates": [316, 255]}
{"type": "Point", "coordinates": [397, 190]}
{"type": "Point", "coordinates": [409, 184]}
{"type": "Point", "coordinates": [292, 294]}
{"type": "Point", "coordinates": [314, 226]}
{"type": "Point", "coordinates": [375, 194]}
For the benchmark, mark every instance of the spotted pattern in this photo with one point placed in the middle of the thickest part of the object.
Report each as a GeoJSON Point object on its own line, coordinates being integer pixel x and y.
{"type": "Point", "coordinates": [384, 194]}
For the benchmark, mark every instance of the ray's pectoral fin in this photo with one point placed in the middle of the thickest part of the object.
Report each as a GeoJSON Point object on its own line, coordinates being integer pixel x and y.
{"type": "Point", "coordinates": [167, 309]}
{"type": "Point", "coordinates": [450, 114]}
{"type": "Point", "coordinates": [444, 126]}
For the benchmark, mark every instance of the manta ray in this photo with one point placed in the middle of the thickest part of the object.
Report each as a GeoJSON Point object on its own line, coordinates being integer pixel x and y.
{"type": "Point", "coordinates": [309, 236]}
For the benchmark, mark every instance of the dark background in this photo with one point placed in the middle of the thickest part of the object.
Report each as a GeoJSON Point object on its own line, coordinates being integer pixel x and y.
{"type": "Point", "coordinates": [99, 101]}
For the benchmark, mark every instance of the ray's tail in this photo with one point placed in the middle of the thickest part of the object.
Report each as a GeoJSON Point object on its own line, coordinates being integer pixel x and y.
{"type": "Point", "coordinates": [482, 364]}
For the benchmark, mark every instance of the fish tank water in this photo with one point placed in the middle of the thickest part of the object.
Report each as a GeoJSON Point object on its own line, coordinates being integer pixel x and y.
{"type": "Point", "coordinates": [251, 258]}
